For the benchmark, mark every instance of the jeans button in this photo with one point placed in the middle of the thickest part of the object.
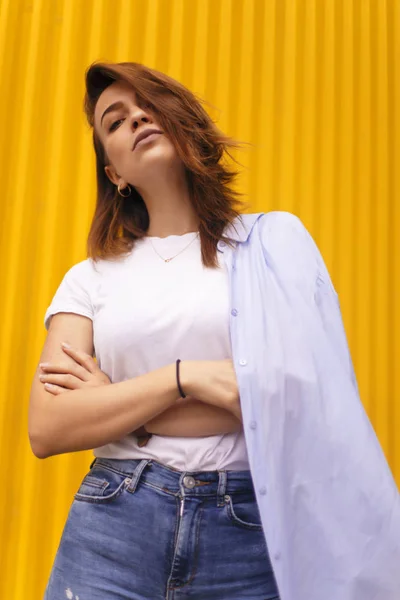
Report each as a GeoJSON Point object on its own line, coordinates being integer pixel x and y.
{"type": "Point", "coordinates": [189, 482]}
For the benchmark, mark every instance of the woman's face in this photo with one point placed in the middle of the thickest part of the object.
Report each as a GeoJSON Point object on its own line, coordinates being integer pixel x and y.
{"type": "Point", "coordinates": [118, 129]}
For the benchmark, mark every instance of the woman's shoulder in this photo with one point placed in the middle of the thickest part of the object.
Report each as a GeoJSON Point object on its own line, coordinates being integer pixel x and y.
{"type": "Point", "coordinates": [285, 227]}
{"type": "Point", "coordinates": [82, 269]}
{"type": "Point", "coordinates": [282, 221]}
{"type": "Point", "coordinates": [84, 272]}
{"type": "Point", "coordinates": [287, 241]}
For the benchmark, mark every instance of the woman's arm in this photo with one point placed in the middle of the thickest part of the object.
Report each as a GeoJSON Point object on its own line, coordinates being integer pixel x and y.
{"type": "Point", "coordinates": [189, 417]}
{"type": "Point", "coordinates": [82, 419]}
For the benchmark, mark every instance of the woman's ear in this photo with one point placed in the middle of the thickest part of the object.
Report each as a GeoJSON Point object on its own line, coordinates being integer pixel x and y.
{"type": "Point", "coordinates": [112, 175]}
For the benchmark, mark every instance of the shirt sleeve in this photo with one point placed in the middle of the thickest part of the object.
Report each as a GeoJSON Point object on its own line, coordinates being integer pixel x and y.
{"type": "Point", "coordinates": [325, 296]}
{"type": "Point", "coordinates": [73, 294]}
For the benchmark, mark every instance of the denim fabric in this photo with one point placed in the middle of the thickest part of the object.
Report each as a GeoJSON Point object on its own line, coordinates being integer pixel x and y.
{"type": "Point", "coordinates": [140, 530]}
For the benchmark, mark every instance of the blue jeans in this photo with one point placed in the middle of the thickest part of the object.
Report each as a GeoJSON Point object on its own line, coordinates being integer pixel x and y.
{"type": "Point", "coordinates": [141, 530]}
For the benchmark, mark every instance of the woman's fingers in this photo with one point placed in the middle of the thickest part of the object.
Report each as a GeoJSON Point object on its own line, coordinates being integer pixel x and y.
{"type": "Point", "coordinates": [54, 389]}
{"type": "Point", "coordinates": [83, 371]}
{"type": "Point", "coordinates": [76, 370]}
{"type": "Point", "coordinates": [67, 380]}
{"type": "Point", "coordinates": [83, 366]}
{"type": "Point", "coordinates": [80, 357]}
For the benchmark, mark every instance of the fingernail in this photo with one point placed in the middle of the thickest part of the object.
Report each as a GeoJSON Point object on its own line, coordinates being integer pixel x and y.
{"type": "Point", "coordinates": [65, 345]}
{"type": "Point", "coordinates": [43, 365]}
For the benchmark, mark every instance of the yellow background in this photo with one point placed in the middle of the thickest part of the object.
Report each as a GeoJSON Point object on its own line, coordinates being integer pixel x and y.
{"type": "Point", "coordinates": [313, 84]}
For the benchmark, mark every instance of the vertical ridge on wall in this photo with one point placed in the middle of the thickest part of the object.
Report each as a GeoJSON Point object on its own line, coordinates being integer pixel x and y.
{"type": "Point", "coordinates": [344, 270]}
{"type": "Point", "coordinates": [313, 87]}
{"type": "Point", "coordinates": [380, 264]}
{"type": "Point", "coordinates": [393, 235]}
{"type": "Point", "coordinates": [363, 248]}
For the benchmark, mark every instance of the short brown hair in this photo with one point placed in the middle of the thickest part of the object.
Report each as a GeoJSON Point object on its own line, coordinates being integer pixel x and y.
{"type": "Point", "coordinates": [200, 145]}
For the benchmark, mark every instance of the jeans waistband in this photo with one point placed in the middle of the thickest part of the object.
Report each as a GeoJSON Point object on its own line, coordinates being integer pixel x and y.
{"type": "Point", "coordinates": [183, 483]}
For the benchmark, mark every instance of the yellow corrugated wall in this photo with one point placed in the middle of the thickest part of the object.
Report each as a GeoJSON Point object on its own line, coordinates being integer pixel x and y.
{"type": "Point", "coordinates": [313, 84]}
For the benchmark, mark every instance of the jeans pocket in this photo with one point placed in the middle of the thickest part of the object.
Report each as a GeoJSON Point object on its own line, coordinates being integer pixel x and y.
{"type": "Point", "coordinates": [101, 485]}
{"type": "Point", "coordinates": [242, 510]}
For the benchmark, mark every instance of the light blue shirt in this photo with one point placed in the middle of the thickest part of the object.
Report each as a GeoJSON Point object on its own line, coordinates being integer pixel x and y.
{"type": "Point", "coordinates": [329, 505]}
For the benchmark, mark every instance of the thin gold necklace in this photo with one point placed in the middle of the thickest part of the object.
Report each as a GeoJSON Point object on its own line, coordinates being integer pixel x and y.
{"type": "Point", "coordinates": [169, 259]}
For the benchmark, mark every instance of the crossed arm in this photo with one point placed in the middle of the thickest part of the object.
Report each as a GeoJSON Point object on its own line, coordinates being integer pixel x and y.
{"type": "Point", "coordinates": [188, 417]}
{"type": "Point", "coordinates": [191, 418]}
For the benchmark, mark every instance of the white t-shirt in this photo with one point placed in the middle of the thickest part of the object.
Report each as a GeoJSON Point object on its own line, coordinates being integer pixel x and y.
{"type": "Point", "coordinates": [146, 313]}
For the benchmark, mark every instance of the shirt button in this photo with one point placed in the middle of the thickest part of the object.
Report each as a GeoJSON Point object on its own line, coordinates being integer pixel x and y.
{"type": "Point", "coordinates": [234, 312]}
{"type": "Point", "coordinates": [263, 491]}
{"type": "Point", "coordinates": [277, 555]}
{"type": "Point", "coordinates": [221, 245]}
{"type": "Point", "coordinates": [242, 362]}
{"type": "Point", "coordinates": [253, 424]}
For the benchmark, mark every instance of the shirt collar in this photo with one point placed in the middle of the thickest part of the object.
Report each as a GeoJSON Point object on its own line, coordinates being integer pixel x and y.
{"type": "Point", "coordinates": [240, 229]}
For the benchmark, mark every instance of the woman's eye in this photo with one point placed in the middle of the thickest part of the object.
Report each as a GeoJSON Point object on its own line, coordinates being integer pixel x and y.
{"type": "Point", "coordinates": [112, 125]}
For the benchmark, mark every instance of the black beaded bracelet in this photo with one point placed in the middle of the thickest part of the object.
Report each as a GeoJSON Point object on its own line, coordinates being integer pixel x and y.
{"type": "Point", "coordinates": [177, 378]}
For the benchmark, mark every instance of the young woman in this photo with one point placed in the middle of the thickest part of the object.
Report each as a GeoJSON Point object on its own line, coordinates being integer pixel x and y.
{"type": "Point", "coordinates": [250, 469]}
{"type": "Point", "coordinates": [168, 508]}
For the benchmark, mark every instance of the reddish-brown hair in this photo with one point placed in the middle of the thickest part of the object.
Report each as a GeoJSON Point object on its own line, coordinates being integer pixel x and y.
{"type": "Point", "coordinates": [200, 145]}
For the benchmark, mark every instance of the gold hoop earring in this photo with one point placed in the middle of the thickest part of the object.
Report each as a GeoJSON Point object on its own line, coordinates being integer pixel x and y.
{"type": "Point", "coordinates": [125, 195]}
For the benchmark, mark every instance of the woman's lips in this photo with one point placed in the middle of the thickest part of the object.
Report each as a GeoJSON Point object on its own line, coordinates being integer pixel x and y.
{"type": "Point", "coordinates": [148, 138]}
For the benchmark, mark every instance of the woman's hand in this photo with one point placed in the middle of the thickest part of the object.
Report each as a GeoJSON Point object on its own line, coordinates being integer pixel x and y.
{"type": "Point", "coordinates": [213, 382]}
{"type": "Point", "coordinates": [59, 378]}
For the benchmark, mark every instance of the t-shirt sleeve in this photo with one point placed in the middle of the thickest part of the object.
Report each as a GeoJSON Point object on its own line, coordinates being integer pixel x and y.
{"type": "Point", "coordinates": [73, 294]}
